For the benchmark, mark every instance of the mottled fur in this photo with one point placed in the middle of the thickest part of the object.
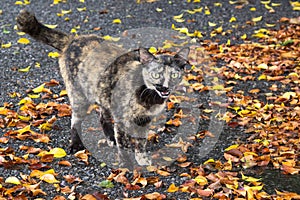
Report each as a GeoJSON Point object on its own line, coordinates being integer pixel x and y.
{"type": "Point", "coordinates": [130, 87]}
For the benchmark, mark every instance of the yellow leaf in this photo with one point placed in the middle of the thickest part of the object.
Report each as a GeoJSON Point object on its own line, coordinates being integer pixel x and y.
{"type": "Point", "coordinates": [37, 173]}
{"type": "Point", "coordinates": [37, 64]}
{"type": "Point", "coordinates": [81, 9]}
{"type": "Point", "coordinates": [39, 88]}
{"type": "Point", "coordinates": [49, 178]}
{"type": "Point", "coordinates": [34, 96]}
{"type": "Point", "coordinates": [232, 147]}
{"type": "Point", "coordinates": [178, 16]}
{"type": "Point", "coordinates": [221, 49]}
{"type": "Point", "coordinates": [244, 37]}
{"type": "Point", "coordinates": [63, 93]}
{"type": "Point", "coordinates": [73, 30]}
{"type": "Point", "coordinates": [262, 77]}
{"type": "Point", "coordinates": [275, 4]}
{"type": "Point", "coordinates": [209, 161]}
{"type": "Point", "coordinates": [265, 2]}
{"type": "Point", "coordinates": [206, 10]}
{"type": "Point", "coordinates": [253, 9]}
{"type": "Point", "coordinates": [116, 21]}
{"type": "Point", "coordinates": [250, 153]}
{"type": "Point", "coordinates": [232, 19]}
{"type": "Point", "coordinates": [24, 130]}
{"type": "Point", "coordinates": [201, 180]}
{"type": "Point", "coordinates": [66, 11]}
{"type": "Point", "coordinates": [25, 101]}
{"type": "Point", "coordinates": [18, 3]}
{"type": "Point", "coordinates": [293, 74]}
{"type": "Point", "coordinates": [262, 66]}
{"type": "Point", "coordinates": [219, 29]}
{"type": "Point", "coordinates": [211, 24]}
{"type": "Point", "coordinates": [23, 41]}
{"type": "Point", "coordinates": [24, 118]}
{"type": "Point", "coordinates": [270, 25]}
{"type": "Point", "coordinates": [21, 33]}
{"type": "Point", "coordinates": [6, 45]}
{"type": "Point", "coordinates": [179, 20]}
{"type": "Point", "coordinates": [268, 7]}
{"type": "Point", "coordinates": [158, 10]}
{"type": "Point", "coordinates": [257, 188]}
{"type": "Point", "coordinates": [244, 112]}
{"type": "Point", "coordinates": [288, 95]}
{"type": "Point", "coordinates": [81, 1]}
{"type": "Point", "coordinates": [228, 42]}
{"type": "Point", "coordinates": [250, 179]}
{"type": "Point", "coordinates": [152, 50]}
{"type": "Point", "coordinates": [257, 19]}
{"type": "Point", "coordinates": [56, 1]}
{"type": "Point", "coordinates": [198, 34]}
{"type": "Point", "coordinates": [167, 158]}
{"type": "Point", "coordinates": [52, 26]}
{"type": "Point", "coordinates": [172, 188]}
{"type": "Point", "coordinates": [45, 126]}
{"type": "Point", "coordinates": [190, 11]}
{"type": "Point", "coordinates": [13, 180]}
{"type": "Point", "coordinates": [260, 35]}
{"type": "Point", "coordinates": [218, 87]}
{"type": "Point", "coordinates": [24, 69]}
{"type": "Point", "coordinates": [53, 54]}
{"type": "Point", "coordinates": [58, 152]}
{"type": "Point", "coordinates": [109, 38]}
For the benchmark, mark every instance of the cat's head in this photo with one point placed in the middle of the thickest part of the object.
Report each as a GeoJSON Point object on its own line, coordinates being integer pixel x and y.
{"type": "Point", "coordinates": [163, 73]}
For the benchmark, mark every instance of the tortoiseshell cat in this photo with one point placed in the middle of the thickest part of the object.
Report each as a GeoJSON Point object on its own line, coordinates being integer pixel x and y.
{"type": "Point", "coordinates": [130, 87]}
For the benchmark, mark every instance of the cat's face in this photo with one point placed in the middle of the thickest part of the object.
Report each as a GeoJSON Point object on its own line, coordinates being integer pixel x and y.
{"type": "Point", "coordinates": [163, 73]}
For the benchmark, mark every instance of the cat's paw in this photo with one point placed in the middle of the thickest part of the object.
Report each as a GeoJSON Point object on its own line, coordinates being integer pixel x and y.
{"type": "Point", "coordinates": [142, 159]}
{"type": "Point", "coordinates": [76, 143]}
{"type": "Point", "coordinates": [105, 142]}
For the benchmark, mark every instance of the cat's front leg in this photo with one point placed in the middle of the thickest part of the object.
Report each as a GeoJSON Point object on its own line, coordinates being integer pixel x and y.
{"type": "Point", "coordinates": [106, 121]}
{"type": "Point", "coordinates": [125, 148]}
{"type": "Point", "coordinates": [140, 152]}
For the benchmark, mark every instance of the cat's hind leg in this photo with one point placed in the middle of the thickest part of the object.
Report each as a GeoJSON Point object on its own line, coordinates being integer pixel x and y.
{"type": "Point", "coordinates": [78, 115]}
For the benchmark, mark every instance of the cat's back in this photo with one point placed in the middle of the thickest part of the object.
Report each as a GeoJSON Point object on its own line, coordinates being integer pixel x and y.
{"type": "Point", "coordinates": [84, 63]}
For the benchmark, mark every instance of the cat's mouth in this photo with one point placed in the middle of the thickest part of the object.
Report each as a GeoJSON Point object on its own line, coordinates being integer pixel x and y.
{"type": "Point", "coordinates": [162, 91]}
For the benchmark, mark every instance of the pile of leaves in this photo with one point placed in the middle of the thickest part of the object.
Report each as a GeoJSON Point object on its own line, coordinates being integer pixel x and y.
{"type": "Point", "coordinates": [269, 114]}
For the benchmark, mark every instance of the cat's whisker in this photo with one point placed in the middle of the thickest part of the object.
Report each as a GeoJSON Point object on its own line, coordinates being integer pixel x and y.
{"type": "Point", "coordinates": [145, 90]}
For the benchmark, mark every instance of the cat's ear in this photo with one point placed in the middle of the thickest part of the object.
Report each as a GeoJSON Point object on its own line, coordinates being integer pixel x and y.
{"type": "Point", "coordinates": [183, 53]}
{"type": "Point", "coordinates": [145, 55]}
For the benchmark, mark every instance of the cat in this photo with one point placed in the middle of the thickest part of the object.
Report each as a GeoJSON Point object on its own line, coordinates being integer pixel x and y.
{"type": "Point", "coordinates": [130, 88]}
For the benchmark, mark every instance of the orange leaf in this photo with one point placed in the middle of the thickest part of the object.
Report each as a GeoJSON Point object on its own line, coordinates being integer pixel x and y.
{"type": "Point", "coordinates": [172, 188]}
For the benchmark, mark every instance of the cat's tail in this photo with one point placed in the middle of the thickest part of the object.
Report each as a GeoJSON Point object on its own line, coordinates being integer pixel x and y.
{"type": "Point", "coordinates": [28, 23]}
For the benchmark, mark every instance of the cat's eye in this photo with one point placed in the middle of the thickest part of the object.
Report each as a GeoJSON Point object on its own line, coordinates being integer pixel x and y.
{"type": "Point", "coordinates": [174, 75]}
{"type": "Point", "coordinates": [155, 75]}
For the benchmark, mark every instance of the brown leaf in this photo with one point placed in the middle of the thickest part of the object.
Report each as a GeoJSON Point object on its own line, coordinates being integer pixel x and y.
{"type": "Point", "coordinates": [163, 173]}
{"type": "Point", "coordinates": [155, 195]}
{"type": "Point", "coordinates": [65, 163]}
